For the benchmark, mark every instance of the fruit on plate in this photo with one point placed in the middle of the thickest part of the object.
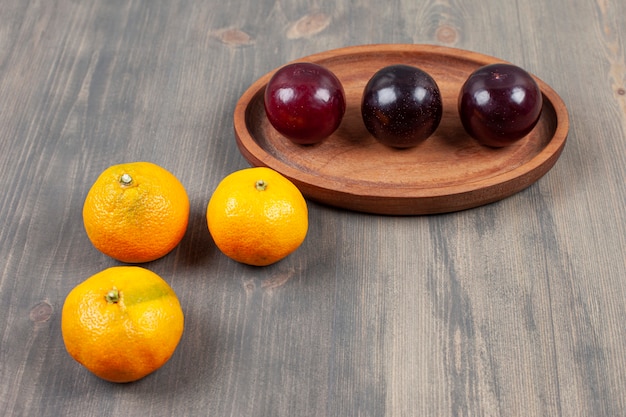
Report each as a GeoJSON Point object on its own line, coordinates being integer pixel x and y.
{"type": "Point", "coordinates": [401, 106]}
{"type": "Point", "coordinates": [122, 323]}
{"type": "Point", "coordinates": [499, 104]}
{"type": "Point", "coordinates": [257, 216]}
{"type": "Point", "coordinates": [305, 102]}
{"type": "Point", "coordinates": [136, 212]}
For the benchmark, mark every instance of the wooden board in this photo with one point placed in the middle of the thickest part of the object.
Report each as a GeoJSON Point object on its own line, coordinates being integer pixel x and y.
{"type": "Point", "coordinates": [448, 172]}
{"type": "Point", "coordinates": [515, 308]}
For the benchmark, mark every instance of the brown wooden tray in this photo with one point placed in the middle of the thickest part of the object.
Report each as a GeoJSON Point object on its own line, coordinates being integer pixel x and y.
{"type": "Point", "coordinates": [448, 172]}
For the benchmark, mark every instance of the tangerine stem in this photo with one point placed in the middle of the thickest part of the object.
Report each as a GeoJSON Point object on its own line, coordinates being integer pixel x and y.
{"type": "Point", "coordinates": [126, 179]}
{"type": "Point", "coordinates": [261, 185]}
{"type": "Point", "coordinates": [113, 296]}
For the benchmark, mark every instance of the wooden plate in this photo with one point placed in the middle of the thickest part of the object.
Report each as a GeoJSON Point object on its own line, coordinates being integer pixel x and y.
{"type": "Point", "coordinates": [448, 172]}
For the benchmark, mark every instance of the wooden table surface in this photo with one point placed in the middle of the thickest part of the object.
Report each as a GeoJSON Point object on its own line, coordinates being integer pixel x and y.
{"type": "Point", "coordinates": [516, 308]}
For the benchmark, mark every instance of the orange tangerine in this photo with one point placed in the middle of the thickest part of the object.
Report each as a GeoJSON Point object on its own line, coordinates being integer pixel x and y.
{"type": "Point", "coordinates": [257, 216]}
{"type": "Point", "coordinates": [136, 212]}
{"type": "Point", "coordinates": [122, 323]}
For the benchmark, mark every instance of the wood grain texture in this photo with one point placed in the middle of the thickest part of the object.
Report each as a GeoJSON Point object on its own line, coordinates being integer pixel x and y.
{"type": "Point", "coordinates": [513, 308]}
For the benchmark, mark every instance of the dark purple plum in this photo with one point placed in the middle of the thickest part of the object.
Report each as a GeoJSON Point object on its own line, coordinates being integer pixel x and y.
{"type": "Point", "coordinates": [401, 106]}
{"type": "Point", "coordinates": [305, 102]}
{"type": "Point", "coordinates": [499, 104]}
